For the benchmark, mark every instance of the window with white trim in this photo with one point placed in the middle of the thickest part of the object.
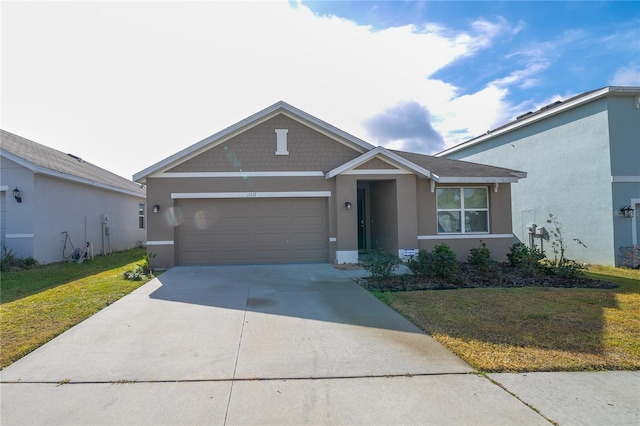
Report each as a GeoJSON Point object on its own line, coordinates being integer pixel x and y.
{"type": "Point", "coordinates": [462, 210]}
{"type": "Point", "coordinates": [281, 142]}
{"type": "Point", "coordinates": [141, 215]}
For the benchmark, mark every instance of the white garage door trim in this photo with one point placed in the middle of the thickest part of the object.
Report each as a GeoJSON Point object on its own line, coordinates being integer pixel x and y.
{"type": "Point", "coordinates": [289, 194]}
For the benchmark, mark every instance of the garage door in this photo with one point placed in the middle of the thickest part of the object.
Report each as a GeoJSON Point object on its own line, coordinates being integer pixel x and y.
{"type": "Point", "coordinates": [246, 231]}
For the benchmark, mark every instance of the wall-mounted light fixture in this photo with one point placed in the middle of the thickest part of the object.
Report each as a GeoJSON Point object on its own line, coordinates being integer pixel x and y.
{"type": "Point", "coordinates": [16, 195]}
{"type": "Point", "coordinates": [627, 211]}
{"type": "Point", "coordinates": [347, 205]}
{"type": "Point", "coordinates": [156, 208]}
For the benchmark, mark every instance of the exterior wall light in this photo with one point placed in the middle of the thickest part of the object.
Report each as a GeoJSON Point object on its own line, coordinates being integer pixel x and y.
{"type": "Point", "coordinates": [16, 195]}
{"type": "Point", "coordinates": [626, 211]}
{"type": "Point", "coordinates": [156, 208]}
{"type": "Point", "coordinates": [347, 205]}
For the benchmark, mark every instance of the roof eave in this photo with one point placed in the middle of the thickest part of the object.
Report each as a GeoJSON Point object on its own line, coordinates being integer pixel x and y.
{"type": "Point", "coordinates": [516, 124]}
{"type": "Point", "coordinates": [256, 118]}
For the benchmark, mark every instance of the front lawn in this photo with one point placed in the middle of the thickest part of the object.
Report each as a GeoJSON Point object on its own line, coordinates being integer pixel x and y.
{"type": "Point", "coordinates": [534, 328]}
{"type": "Point", "coordinates": [38, 304]}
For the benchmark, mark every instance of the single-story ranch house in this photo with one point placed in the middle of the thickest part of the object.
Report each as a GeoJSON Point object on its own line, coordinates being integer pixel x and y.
{"type": "Point", "coordinates": [52, 203]}
{"type": "Point", "coordinates": [282, 186]}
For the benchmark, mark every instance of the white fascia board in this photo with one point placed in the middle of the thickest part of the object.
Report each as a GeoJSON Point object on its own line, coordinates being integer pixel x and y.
{"type": "Point", "coordinates": [464, 236]}
{"type": "Point", "coordinates": [478, 180]}
{"type": "Point", "coordinates": [385, 155]}
{"type": "Point", "coordinates": [20, 161]}
{"type": "Point", "coordinates": [239, 174]}
{"type": "Point", "coordinates": [247, 123]}
{"type": "Point", "coordinates": [66, 176]}
{"type": "Point", "coordinates": [533, 119]}
{"type": "Point", "coordinates": [223, 195]}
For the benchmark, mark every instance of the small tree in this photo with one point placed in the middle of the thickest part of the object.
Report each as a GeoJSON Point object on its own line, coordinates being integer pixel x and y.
{"type": "Point", "coordinates": [561, 265]}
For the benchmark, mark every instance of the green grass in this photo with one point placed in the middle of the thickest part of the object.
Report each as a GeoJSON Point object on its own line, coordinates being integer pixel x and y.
{"type": "Point", "coordinates": [38, 304]}
{"type": "Point", "coordinates": [534, 329]}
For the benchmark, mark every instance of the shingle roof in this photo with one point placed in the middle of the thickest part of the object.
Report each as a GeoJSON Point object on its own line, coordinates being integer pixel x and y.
{"type": "Point", "coordinates": [42, 159]}
{"type": "Point", "coordinates": [448, 168]}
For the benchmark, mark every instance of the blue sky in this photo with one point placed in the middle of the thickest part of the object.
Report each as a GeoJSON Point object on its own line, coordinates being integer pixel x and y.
{"type": "Point", "coordinates": [126, 84]}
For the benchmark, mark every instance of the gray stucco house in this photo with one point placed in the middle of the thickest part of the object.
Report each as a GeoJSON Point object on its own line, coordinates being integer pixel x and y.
{"type": "Point", "coordinates": [45, 193]}
{"type": "Point", "coordinates": [283, 186]}
{"type": "Point", "coordinates": [582, 156]}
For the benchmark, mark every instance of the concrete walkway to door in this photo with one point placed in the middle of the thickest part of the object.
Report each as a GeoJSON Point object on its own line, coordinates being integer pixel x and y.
{"type": "Point", "coordinates": [282, 344]}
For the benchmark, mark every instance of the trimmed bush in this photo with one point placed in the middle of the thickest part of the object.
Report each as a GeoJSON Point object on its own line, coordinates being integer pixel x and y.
{"type": "Point", "coordinates": [441, 262]}
{"type": "Point", "coordinates": [379, 263]}
{"type": "Point", "coordinates": [480, 258]}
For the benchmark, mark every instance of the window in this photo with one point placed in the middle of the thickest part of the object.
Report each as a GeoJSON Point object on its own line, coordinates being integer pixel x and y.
{"type": "Point", "coordinates": [141, 215]}
{"type": "Point", "coordinates": [462, 210]}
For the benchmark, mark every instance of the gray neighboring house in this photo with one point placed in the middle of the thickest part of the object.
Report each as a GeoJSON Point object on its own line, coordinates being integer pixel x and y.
{"type": "Point", "coordinates": [582, 157]}
{"type": "Point", "coordinates": [283, 186]}
{"type": "Point", "coordinates": [45, 193]}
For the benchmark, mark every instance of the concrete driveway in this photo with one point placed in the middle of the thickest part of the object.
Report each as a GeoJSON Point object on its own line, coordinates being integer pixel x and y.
{"type": "Point", "coordinates": [284, 344]}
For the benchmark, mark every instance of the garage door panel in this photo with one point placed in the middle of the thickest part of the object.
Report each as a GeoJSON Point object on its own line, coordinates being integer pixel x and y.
{"type": "Point", "coordinates": [244, 231]}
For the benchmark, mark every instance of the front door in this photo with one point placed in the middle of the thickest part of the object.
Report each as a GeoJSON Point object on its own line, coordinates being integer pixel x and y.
{"type": "Point", "coordinates": [362, 230]}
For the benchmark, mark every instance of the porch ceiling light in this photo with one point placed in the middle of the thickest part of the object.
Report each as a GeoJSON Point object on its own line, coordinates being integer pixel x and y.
{"type": "Point", "coordinates": [627, 211]}
{"type": "Point", "coordinates": [347, 205]}
{"type": "Point", "coordinates": [16, 195]}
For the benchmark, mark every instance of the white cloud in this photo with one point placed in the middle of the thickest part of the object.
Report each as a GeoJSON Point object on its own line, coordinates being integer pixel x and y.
{"type": "Point", "coordinates": [125, 84]}
{"type": "Point", "coordinates": [626, 76]}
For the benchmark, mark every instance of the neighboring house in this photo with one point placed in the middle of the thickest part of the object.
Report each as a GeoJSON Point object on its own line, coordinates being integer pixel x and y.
{"type": "Point", "coordinates": [282, 186]}
{"type": "Point", "coordinates": [582, 157]}
{"type": "Point", "coordinates": [60, 195]}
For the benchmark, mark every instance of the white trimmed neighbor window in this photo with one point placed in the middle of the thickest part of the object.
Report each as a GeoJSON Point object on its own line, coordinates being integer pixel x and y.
{"type": "Point", "coordinates": [141, 215]}
{"type": "Point", "coordinates": [462, 210]}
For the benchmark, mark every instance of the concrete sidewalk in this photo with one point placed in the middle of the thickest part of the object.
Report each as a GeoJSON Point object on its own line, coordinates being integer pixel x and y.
{"type": "Point", "coordinates": [282, 344]}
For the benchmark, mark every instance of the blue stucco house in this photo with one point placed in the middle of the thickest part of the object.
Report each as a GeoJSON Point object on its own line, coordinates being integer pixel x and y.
{"type": "Point", "coordinates": [582, 156]}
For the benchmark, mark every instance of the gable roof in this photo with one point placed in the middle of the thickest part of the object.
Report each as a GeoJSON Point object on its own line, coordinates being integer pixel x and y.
{"type": "Point", "coordinates": [544, 113]}
{"type": "Point", "coordinates": [48, 161]}
{"type": "Point", "coordinates": [280, 107]}
{"type": "Point", "coordinates": [380, 152]}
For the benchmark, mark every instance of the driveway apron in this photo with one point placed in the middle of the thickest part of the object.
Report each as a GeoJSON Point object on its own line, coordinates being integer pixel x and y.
{"type": "Point", "coordinates": [250, 344]}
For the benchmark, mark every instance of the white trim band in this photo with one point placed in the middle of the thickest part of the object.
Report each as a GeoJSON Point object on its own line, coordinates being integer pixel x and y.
{"type": "Point", "coordinates": [347, 256]}
{"type": "Point", "coordinates": [332, 239]}
{"type": "Point", "coordinates": [625, 179]}
{"type": "Point", "coordinates": [239, 174]}
{"type": "Point", "coordinates": [463, 236]}
{"type": "Point", "coordinates": [4, 188]}
{"type": "Point", "coordinates": [377, 172]}
{"type": "Point", "coordinates": [160, 243]}
{"type": "Point", "coordinates": [283, 194]}
{"type": "Point", "coordinates": [18, 236]}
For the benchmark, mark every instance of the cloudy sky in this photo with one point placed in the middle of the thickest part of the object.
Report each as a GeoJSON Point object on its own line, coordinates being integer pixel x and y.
{"type": "Point", "coordinates": [126, 84]}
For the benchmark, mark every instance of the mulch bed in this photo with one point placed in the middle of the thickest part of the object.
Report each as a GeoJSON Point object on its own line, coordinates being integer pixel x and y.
{"type": "Point", "coordinates": [504, 276]}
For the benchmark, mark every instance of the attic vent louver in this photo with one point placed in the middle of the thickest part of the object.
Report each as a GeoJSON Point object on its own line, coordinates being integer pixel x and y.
{"type": "Point", "coordinates": [524, 115]}
{"type": "Point", "coordinates": [78, 159]}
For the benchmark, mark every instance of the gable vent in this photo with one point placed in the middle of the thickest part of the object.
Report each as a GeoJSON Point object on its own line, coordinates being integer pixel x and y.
{"type": "Point", "coordinates": [281, 142]}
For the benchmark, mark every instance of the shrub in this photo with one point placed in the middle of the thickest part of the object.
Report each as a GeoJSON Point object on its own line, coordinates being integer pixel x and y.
{"type": "Point", "coordinates": [630, 256]}
{"type": "Point", "coordinates": [422, 265]}
{"type": "Point", "coordinates": [480, 258]}
{"type": "Point", "coordinates": [445, 262]}
{"type": "Point", "coordinates": [526, 259]}
{"type": "Point", "coordinates": [6, 258]}
{"type": "Point", "coordinates": [141, 270]}
{"type": "Point", "coordinates": [379, 263]}
{"type": "Point", "coordinates": [441, 262]}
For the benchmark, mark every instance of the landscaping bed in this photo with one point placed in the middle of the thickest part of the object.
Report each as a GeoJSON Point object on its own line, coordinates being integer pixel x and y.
{"type": "Point", "coordinates": [503, 275]}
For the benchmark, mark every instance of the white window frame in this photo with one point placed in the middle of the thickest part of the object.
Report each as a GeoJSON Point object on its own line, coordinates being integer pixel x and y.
{"type": "Point", "coordinates": [462, 211]}
{"type": "Point", "coordinates": [141, 215]}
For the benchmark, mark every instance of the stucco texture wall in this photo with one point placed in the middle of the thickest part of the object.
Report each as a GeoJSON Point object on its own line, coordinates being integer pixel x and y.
{"type": "Point", "coordinates": [77, 209]}
{"type": "Point", "coordinates": [567, 158]}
